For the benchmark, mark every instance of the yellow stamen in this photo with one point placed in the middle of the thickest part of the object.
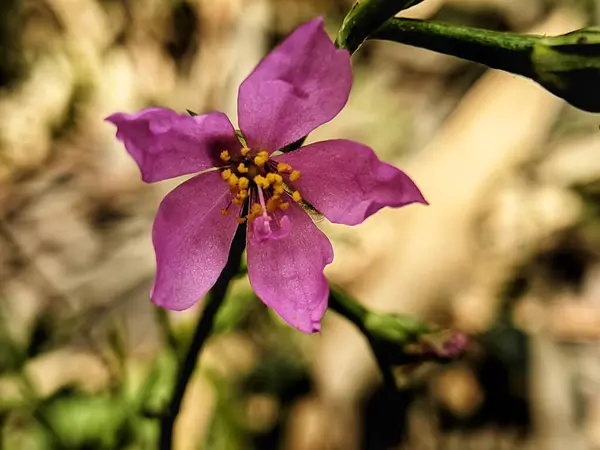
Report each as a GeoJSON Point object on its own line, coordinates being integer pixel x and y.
{"type": "Point", "coordinates": [241, 220]}
{"type": "Point", "coordinates": [262, 181]}
{"type": "Point", "coordinates": [233, 180]}
{"type": "Point", "coordinates": [283, 167]}
{"type": "Point", "coordinates": [261, 158]}
{"type": "Point", "coordinates": [237, 201]}
{"type": "Point", "coordinates": [242, 168]}
{"type": "Point", "coordinates": [295, 175]}
{"type": "Point", "coordinates": [271, 177]}
{"type": "Point", "coordinates": [272, 204]}
{"type": "Point", "coordinates": [243, 194]}
{"type": "Point", "coordinates": [243, 183]}
{"type": "Point", "coordinates": [226, 174]}
{"type": "Point", "coordinates": [244, 151]}
{"type": "Point", "coordinates": [283, 206]}
{"type": "Point", "coordinates": [278, 189]}
{"type": "Point", "coordinates": [225, 155]}
{"type": "Point", "coordinates": [256, 209]}
{"type": "Point", "coordinates": [296, 196]}
{"type": "Point", "coordinates": [278, 178]}
{"type": "Point", "coordinates": [224, 212]}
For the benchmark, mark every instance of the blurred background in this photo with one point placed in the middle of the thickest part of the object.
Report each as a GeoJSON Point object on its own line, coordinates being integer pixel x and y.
{"type": "Point", "coordinates": [508, 250]}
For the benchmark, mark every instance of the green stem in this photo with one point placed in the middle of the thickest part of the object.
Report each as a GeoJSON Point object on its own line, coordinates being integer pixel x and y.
{"type": "Point", "coordinates": [356, 313]}
{"type": "Point", "coordinates": [366, 16]}
{"type": "Point", "coordinates": [499, 50]}
{"type": "Point", "coordinates": [346, 306]}
{"type": "Point", "coordinates": [205, 324]}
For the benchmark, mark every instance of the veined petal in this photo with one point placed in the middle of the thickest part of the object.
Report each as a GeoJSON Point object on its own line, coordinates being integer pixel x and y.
{"type": "Point", "coordinates": [346, 181]}
{"type": "Point", "coordinates": [191, 240]}
{"type": "Point", "coordinates": [302, 84]}
{"type": "Point", "coordinates": [287, 273]}
{"type": "Point", "coordinates": [166, 144]}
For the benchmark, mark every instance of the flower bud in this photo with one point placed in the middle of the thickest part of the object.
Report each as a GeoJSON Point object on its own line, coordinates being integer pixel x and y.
{"type": "Point", "coordinates": [569, 67]}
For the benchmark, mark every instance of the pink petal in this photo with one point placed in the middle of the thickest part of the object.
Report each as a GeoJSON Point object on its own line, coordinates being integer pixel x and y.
{"type": "Point", "coordinates": [346, 181]}
{"type": "Point", "coordinates": [287, 272]}
{"type": "Point", "coordinates": [191, 240]}
{"type": "Point", "coordinates": [166, 144]}
{"type": "Point", "coordinates": [303, 83]}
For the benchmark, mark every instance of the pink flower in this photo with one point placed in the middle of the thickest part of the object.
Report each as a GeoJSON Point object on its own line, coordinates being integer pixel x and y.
{"type": "Point", "coordinates": [302, 84]}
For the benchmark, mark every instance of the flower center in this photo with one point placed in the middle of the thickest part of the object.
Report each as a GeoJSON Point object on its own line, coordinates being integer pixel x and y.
{"type": "Point", "coordinates": [267, 185]}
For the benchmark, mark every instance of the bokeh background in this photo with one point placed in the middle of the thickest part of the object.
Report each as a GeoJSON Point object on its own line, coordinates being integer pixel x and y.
{"type": "Point", "coordinates": [508, 250]}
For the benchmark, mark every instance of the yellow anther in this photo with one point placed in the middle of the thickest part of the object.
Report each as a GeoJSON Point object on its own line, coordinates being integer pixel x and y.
{"type": "Point", "coordinates": [256, 209]}
{"type": "Point", "coordinates": [296, 196]}
{"type": "Point", "coordinates": [233, 180]}
{"type": "Point", "coordinates": [278, 188]}
{"type": "Point", "coordinates": [261, 158]}
{"type": "Point", "coordinates": [283, 167]}
{"type": "Point", "coordinates": [226, 174]}
{"type": "Point", "coordinates": [241, 220]}
{"type": "Point", "coordinates": [238, 201]}
{"type": "Point", "coordinates": [225, 155]}
{"type": "Point", "coordinates": [262, 181]}
{"type": "Point", "coordinates": [224, 212]}
{"type": "Point", "coordinates": [271, 177]}
{"type": "Point", "coordinates": [242, 168]}
{"type": "Point", "coordinates": [260, 161]}
{"type": "Point", "coordinates": [283, 206]}
{"type": "Point", "coordinates": [243, 183]}
{"type": "Point", "coordinates": [273, 203]}
{"type": "Point", "coordinates": [278, 178]}
{"type": "Point", "coordinates": [244, 151]}
{"type": "Point", "coordinates": [243, 194]}
{"type": "Point", "coordinates": [295, 175]}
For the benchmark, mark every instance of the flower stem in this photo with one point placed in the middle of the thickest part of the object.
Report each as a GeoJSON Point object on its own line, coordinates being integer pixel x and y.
{"type": "Point", "coordinates": [498, 50]}
{"type": "Point", "coordinates": [205, 324]}
{"type": "Point", "coordinates": [567, 65]}
{"type": "Point", "coordinates": [356, 313]}
{"type": "Point", "coordinates": [346, 306]}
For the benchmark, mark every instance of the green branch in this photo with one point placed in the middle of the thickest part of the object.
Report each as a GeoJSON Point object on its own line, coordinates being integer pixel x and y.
{"type": "Point", "coordinates": [505, 51]}
{"type": "Point", "coordinates": [566, 65]}
{"type": "Point", "coordinates": [395, 339]}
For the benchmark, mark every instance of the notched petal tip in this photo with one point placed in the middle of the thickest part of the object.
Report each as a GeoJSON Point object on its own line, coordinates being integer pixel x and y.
{"type": "Point", "coordinates": [287, 273]}
{"type": "Point", "coordinates": [347, 182]}
{"type": "Point", "coordinates": [191, 240]}
{"type": "Point", "coordinates": [166, 144]}
{"type": "Point", "coordinates": [302, 84]}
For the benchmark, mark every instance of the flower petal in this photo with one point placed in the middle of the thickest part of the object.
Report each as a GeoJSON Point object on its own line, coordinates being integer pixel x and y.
{"type": "Point", "coordinates": [166, 144]}
{"type": "Point", "coordinates": [346, 181]}
{"type": "Point", "coordinates": [191, 240]}
{"type": "Point", "coordinates": [303, 83]}
{"type": "Point", "coordinates": [287, 273]}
